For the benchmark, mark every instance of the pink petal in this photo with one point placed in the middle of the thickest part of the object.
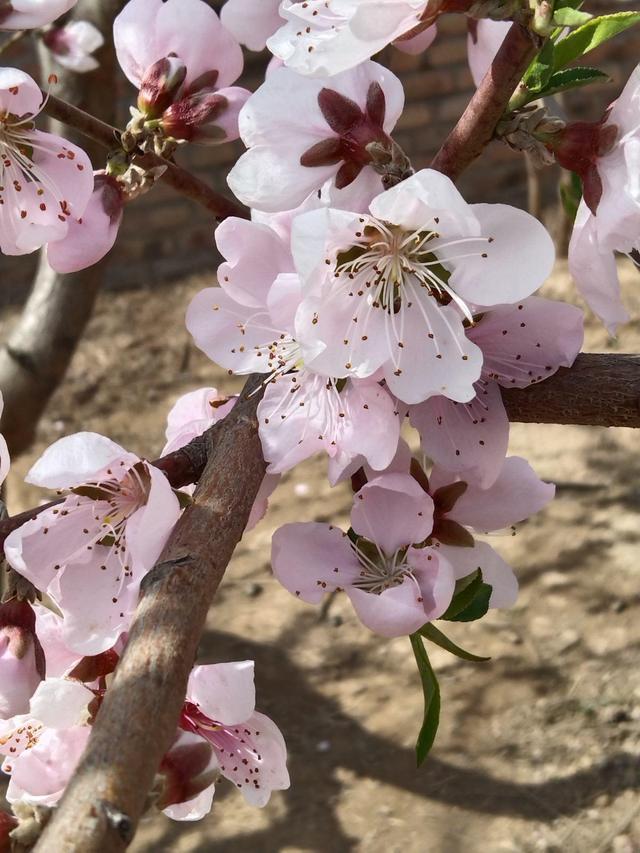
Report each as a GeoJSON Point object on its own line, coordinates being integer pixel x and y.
{"type": "Point", "coordinates": [311, 559]}
{"type": "Point", "coordinates": [61, 703]}
{"type": "Point", "coordinates": [595, 272]}
{"type": "Point", "coordinates": [466, 438]}
{"type": "Point", "coordinates": [28, 14]}
{"type": "Point", "coordinates": [519, 242]}
{"type": "Point", "coordinates": [41, 773]}
{"type": "Point", "coordinates": [393, 511]}
{"type": "Point", "coordinates": [92, 236]}
{"type": "Point", "coordinates": [19, 93]}
{"type": "Point", "coordinates": [194, 809]}
{"type": "Point", "coordinates": [483, 42]}
{"type": "Point", "coordinates": [149, 527]}
{"type": "Point", "coordinates": [225, 692]}
{"type": "Point", "coordinates": [233, 335]}
{"type": "Point", "coordinates": [393, 613]}
{"type": "Point", "coordinates": [79, 458]}
{"type": "Point", "coordinates": [495, 571]}
{"type": "Point", "coordinates": [255, 256]}
{"type": "Point", "coordinates": [419, 43]}
{"type": "Point", "coordinates": [516, 494]}
{"type": "Point", "coordinates": [251, 21]}
{"type": "Point", "coordinates": [527, 342]}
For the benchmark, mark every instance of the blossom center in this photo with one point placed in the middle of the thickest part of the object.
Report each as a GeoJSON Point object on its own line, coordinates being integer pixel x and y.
{"type": "Point", "coordinates": [387, 262]}
{"type": "Point", "coordinates": [379, 571]}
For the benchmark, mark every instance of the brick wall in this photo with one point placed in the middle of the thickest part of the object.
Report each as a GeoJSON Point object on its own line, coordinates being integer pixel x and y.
{"type": "Point", "coordinates": [165, 236]}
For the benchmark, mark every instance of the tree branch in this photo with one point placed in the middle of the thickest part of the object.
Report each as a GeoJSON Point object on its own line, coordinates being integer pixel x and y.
{"type": "Point", "coordinates": [137, 721]}
{"type": "Point", "coordinates": [477, 124]}
{"type": "Point", "coordinates": [180, 179]}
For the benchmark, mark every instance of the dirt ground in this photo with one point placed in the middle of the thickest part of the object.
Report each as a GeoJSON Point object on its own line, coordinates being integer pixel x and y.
{"type": "Point", "coordinates": [539, 750]}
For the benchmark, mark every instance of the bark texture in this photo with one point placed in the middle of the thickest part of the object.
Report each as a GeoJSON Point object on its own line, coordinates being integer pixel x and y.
{"type": "Point", "coordinates": [137, 721]}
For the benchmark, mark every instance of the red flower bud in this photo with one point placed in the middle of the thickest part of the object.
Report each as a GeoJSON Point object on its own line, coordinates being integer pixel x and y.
{"type": "Point", "coordinates": [187, 770]}
{"type": "Point", "coordinates": [160, 85]}
{"type": "Point", "coordinates": [22, 664]}
{"type": "Point", "coordinates": [194, 117]}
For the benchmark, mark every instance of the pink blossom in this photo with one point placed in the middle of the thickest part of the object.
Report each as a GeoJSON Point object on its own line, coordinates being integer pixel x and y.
{"type": "Point", "coordinates": [394, 583]}
{"type": "Point", "coordinates": [389, 290]}
{"type": "Point", "coordinates": [186, 36]}
{"type": "Point", "coordinates": [91, 552]}
{"type": "Point", "coordinates": [463, 510]}
{"type": "Point", "coordinates": [251, 21]}
{"type": "Point", "coordinates": [250, 750]}
{"type": "Point", "coordinates": [483, 42]}
{"type": "Point", "coordinates": [73, 45]}
{"type": "Point", "coordinates": [28, 14]}
{"type": "Point", "coordinates": [92, 236]}
{"type": "Point", "coordinates": [46, 181]}
{"type": "Point", "coordinates": [248, 325]}
{"type": "Point", "coordinates": [325, 37]}
{"type": "Point", "coordinates": [608, 221]}
{"type": "Point", "coordinates": [418, 43]}
{"type": "Point", "coordinates": [42, 748]}
{"type": "Point", "coordinates": [302, 133]}
{"type": "Point", "coordinates": [21, 658]}
{"type": "Point", "coordinates": [193, 414]}
{"type": "Point", "coordinates": [521, 344]}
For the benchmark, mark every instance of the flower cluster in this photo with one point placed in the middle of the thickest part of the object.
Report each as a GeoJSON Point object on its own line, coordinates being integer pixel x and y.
{"type": "Point", "coordinates": [369, 297]}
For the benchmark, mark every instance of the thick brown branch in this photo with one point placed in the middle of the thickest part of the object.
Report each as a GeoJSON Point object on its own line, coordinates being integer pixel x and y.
{"type": "Point", "coordinates": [180, 179]}
{"type": "Point", "coordinates": [137, 720]}
{"type": "Point", "coordinates": [477, 124]}
{"type": "Point", "coordinates": [599, 390]}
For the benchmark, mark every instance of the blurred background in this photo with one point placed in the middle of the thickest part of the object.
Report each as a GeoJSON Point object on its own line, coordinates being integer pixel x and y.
{"type": "Point", "coordinates": [539, 749]}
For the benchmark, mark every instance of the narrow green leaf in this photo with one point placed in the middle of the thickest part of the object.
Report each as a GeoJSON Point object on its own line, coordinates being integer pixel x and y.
{"type": "Point", "coordinates": [430, 632]}
{"type": "Point", "coordinates": [572, 78]}
{"type": "Point", "coordinates": [477, 608]}
{"type": "Point", "coordinates": [568, 17]}
{"type": "Point", "coordinates": [465, 591]}
{"type": "Point", "coordinates": [590, 35]}
{"type": "Point", "coordinates": [431, 691]}
{"type": "Point", "coordinates": [537, 74]}
{"type": "Point", "coordinates": [469, 602]}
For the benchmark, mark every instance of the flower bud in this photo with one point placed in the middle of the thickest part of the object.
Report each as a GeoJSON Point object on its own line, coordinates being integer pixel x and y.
{"type": "Point", "coordinates": [207, 117]}
{"type": "Point", "coordinates": [22, 664]}
{"type": "Point", "coordinates": [187, 769]}
{"type": "Point", "coordinates": [7, 824]}
{"type": "Point", "coordinates": [160, 85]}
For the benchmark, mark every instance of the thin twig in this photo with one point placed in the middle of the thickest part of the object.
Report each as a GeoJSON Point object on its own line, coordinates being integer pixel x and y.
{"type": "Point", "coordinates": [180, 179]}
{"type": "Point", "coordinates": [476, 126]}
{"type": "Point", "coordinates": [13, 39]}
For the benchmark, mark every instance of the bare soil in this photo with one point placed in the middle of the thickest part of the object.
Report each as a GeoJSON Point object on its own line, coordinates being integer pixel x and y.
{"type": "Point", "coordinates": [539, 750]}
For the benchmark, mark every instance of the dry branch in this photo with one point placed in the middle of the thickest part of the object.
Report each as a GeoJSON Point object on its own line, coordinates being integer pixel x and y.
{"type": "Point", "coordinates": [180, 179]}
{"type": "Point", "coordinates": [476, 126]}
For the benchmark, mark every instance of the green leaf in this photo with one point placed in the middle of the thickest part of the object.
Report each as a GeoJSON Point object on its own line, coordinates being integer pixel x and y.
{"type": "Point", "coordinates": [430, 632]}
{"type": "Point", "coordinates": [569, 17]}
{"type": "Point", "coordinates": [538, 73]}
{"type": "Point", "coordinates": [431, 691]}
{"type": "Point", "coordinates": [470, 602]}
{"type": "Point", "coordinates": [590, 35]}
{"type": "Point", "coordinates": [572, 78]}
